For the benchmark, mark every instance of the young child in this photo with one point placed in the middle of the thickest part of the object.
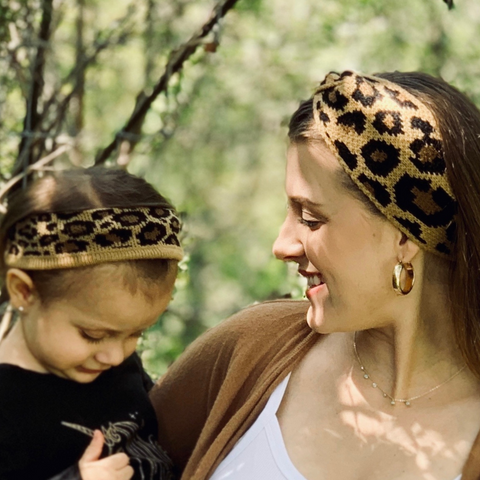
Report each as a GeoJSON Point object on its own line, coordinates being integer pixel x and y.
{"type": "Point", "coordinates": [89, 262]}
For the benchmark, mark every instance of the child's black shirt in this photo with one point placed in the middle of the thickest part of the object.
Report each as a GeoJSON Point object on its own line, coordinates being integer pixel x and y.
{"type": "Point", "coordinates": [47, 422]}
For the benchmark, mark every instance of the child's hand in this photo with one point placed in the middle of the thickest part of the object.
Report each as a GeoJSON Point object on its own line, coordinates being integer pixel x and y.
{"type": "Point", "coordinates": [115, 467]}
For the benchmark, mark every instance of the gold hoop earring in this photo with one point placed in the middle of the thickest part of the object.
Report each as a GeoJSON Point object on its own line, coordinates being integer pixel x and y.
{"type": "Point", "coordinates": [409, 278]}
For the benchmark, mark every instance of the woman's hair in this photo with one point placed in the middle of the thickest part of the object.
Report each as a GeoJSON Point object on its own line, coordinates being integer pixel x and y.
{"type": "Point", "coordinates": [302, 128]}
{"type": "Point", "coordinates": [459, 124]}
{"type": "Point", "coordinates": [73, 191]}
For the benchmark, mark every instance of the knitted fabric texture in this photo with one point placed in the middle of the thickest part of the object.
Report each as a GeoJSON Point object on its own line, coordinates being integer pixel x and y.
{"type": "Point", "coordinates": [63, 240]}
{"type": "Point", "coordinates": [389, 144]}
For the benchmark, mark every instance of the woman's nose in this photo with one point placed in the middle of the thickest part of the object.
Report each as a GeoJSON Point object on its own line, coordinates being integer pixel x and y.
{"type": "Point", "coordinates": [288, 246]}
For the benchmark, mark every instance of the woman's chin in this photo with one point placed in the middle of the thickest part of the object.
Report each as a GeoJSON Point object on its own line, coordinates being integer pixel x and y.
{"type": "Point", "coordinates": [315, 320]}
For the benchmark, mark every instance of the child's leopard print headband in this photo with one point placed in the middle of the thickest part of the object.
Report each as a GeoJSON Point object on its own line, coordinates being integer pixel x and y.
{"type": "Point", "coordinates": [389, 144]}
{"type": "Point", "coordinates": [63, 240]}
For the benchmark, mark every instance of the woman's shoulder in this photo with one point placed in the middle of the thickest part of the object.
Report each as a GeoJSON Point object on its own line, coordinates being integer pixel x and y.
{"type": "Point", "coordinates": [272, 310]}
{"type": "Point", "coordinates": [218, 372]}
{"type": "Point", "coordinates": [251, 331]}
{"type": "Point", "coordinates": [270, 318]}
{"type": "Point", "coordinates": [253, 338]}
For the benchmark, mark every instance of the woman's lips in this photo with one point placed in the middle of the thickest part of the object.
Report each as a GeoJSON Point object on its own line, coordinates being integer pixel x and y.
{"type": "Point", "coordinates": [312, 291]}
{"type": "Point", "coordinates": [315, 282]}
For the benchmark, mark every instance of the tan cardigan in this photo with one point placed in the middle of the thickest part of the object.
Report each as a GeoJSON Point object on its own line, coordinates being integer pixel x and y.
{"type": "Point", "coordinates": [213, 393]}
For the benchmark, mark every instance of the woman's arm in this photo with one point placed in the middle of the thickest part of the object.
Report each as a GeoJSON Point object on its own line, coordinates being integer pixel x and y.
{"type": "Point", "coordinates": [184, 396]}
{"type": "Point", "coordinates": [221, 382]}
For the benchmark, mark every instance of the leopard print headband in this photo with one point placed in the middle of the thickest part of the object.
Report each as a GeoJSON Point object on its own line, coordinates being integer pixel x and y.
{"type": "Point", "coordinates": [63, 240]}
{"type": "Point", "coordinates": [389, 144]}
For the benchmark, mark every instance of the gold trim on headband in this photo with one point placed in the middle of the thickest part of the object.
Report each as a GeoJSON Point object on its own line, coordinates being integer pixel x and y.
{"type": "Point", "coordinates": [63, 240]}
{"type": "Point", "coordinates": [389, 144]}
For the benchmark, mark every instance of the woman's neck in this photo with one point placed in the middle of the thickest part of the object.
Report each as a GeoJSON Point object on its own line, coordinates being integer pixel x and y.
{"type": "Point", "coordinates": [417, 351]}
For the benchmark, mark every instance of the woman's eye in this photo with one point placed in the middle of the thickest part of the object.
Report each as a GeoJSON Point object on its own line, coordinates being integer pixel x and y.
{"type": "Point", "coordinates": [89, 338]}
{"type": "Point", "coordinates": [310, 219]}
{"type": "Point", "coordinates": [309, 223]}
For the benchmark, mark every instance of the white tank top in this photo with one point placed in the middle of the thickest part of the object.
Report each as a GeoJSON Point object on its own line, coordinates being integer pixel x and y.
{"type": "Point", "coordinates": [260, 454]}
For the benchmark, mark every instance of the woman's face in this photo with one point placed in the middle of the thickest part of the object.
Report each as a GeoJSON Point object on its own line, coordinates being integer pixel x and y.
{"type": "Point", "coordinates": [96, 327]}
{"type": "Point", "coordinates": [346, 253]}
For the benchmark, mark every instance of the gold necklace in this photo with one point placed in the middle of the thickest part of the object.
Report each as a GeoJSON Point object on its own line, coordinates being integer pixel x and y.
{"type": "Point", "coordinates": [393, 400]}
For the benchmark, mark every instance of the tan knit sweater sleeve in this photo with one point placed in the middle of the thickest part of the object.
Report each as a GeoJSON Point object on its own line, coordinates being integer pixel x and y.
{"type": "Point", "coordinates": [215, 390]}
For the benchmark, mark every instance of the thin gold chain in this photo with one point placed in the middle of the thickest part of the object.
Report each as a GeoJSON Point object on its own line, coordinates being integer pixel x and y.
{"type": "Point", "coordinates": [393, 401]}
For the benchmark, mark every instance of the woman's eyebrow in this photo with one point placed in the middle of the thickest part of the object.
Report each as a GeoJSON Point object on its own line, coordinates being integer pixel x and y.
{"type": "Point", "coordinates": [305, 202]}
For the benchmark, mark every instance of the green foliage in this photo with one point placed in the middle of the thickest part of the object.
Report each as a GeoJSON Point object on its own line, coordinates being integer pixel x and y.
{"type": "Point", "coordinates": [215, 145]}
{"type": "Point", "coordinates": [224, 166]}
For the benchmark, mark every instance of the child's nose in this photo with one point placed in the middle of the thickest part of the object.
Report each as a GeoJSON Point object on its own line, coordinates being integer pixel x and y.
{"type": "Point", "coordinates": [112, 354]}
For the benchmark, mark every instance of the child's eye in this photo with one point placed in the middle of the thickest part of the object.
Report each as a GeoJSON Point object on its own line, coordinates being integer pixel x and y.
{"type": "Point", "coordinates": [137, 335]}
{"type": "Point", "coordinates": [89, 338]}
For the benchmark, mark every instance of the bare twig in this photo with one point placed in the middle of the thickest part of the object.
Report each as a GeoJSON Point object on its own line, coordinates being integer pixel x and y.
{"type": "Point", "coordinates": [48, 124]}
{"type": "Point", "coordinates": [77, 102]}
{"type": "Point", "coordinates": [36, 166]}
{"type": "Point", "coordinates": [116, 35]}
{"type": "Point", "coordinates": [18, 69]}
{"type": "Point", "coordinates": [30, 122]}
{"type": "Point", "coordinates": [174, 65]}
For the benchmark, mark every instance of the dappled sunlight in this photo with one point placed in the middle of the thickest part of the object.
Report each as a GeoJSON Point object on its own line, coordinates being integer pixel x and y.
{"type": "Point", "coordinates": [384, 434]}
{"type": "Point", "coordinates": [422, 441]}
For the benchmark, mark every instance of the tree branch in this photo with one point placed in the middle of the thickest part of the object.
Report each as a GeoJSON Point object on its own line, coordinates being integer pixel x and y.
{"type": "Point", "coordinates": [174, 65]}
{"type": "Point", "coordinates": [115, 36]}
{"type": "Point", "coordinates": [37, 82]}
{"type": "Point", "coordinates": [36, 166]}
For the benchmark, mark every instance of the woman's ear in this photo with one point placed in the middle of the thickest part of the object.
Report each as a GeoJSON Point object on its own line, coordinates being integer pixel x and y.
{"type": "Point", "coordinates": [20, 287]}
{"type": "Point", "coordinates": [407, 250]}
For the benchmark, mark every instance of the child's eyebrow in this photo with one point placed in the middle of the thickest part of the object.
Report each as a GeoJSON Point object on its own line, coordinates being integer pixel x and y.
{"type": "Point", "coordinates": [112, 331]}
{"type": "Point", "coordinates": [109, 331]}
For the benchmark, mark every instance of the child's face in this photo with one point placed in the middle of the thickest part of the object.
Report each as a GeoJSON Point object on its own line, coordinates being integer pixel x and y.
{"type": "Point", "coordinates": [94, 329]}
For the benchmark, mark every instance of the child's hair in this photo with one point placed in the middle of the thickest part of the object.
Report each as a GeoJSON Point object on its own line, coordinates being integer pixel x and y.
{"type": "Point", "coordinates": [74, 191]}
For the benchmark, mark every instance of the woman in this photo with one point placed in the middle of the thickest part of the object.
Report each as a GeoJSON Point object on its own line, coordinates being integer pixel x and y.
{"type": "Point", "coordinates": [381, 380]}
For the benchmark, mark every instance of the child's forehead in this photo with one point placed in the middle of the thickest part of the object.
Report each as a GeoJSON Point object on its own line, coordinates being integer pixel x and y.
{"type": "Point", "coordinates": [100, 282]}
{"type": "Point", "coordinates": [92, 325]}
{"type": "Point", "coordinates": [115, 315]}
{"type": "Point", "coordinates": [117, 286]}
{"type": "Point", "coordinates": [102, 299]}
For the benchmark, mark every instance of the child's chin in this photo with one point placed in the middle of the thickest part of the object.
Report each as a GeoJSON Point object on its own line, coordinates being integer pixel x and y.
{"type": "Point", "coordinates": [80, 376]}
